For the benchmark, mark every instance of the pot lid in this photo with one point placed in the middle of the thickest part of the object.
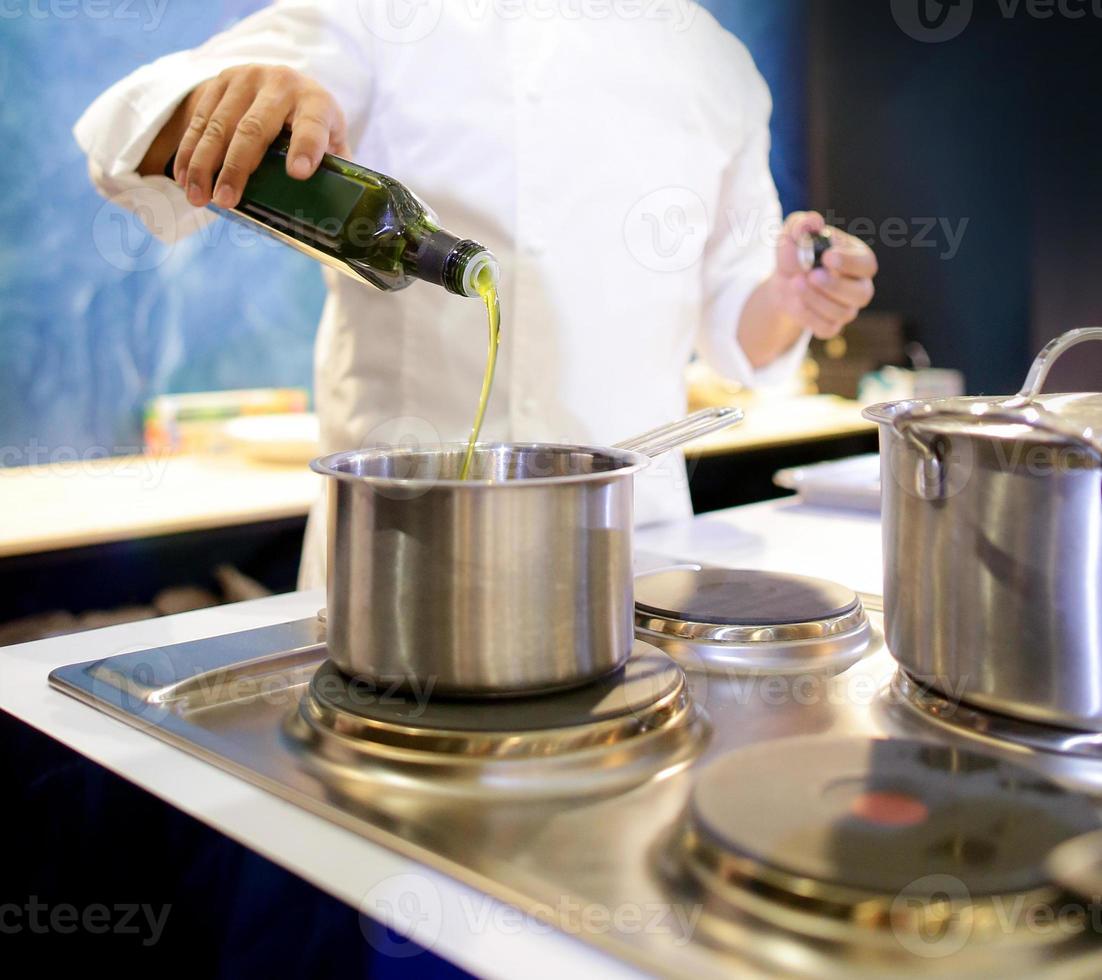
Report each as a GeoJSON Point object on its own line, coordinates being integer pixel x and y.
{"type": "Point", "coordinates": [980, 417]}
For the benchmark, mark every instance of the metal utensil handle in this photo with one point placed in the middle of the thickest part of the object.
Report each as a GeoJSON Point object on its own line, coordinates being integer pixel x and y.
{"type": "Point", "coordinates": [1038, 372]}
{"type": "Point", "coordinates": [667, 437]}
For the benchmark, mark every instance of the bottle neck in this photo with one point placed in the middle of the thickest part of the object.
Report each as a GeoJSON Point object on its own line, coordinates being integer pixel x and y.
{"type": "Point", "coordinates": [454, 263]}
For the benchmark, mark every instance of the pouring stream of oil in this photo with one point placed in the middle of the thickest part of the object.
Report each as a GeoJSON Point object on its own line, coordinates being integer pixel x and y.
{"type": "Point", "coordinates": [487, 289]}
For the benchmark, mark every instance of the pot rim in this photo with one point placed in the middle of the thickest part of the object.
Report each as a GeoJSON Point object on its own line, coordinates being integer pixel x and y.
{"type": "Point", "coordinates": [632, 463]}
{"type": "Point", "coordinates": [893, 415]}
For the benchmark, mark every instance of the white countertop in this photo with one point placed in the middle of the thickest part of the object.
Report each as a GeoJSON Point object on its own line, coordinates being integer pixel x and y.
{"type": "Point", "coordinates": [780, 535]}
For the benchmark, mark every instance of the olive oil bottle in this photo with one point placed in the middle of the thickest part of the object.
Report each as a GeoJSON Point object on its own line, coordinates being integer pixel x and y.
{"type": "Point", "coordinates": [361, 223]}
{"type": "Point", "coordinates": [371, 227]}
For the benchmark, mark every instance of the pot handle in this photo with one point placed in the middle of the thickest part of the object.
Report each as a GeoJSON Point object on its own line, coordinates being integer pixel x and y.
{"type": "Point", "coordinates": [1042, 364]}
{"type": "Point", "coordinates": [1020, 409]}
{"type": "Point", "coordinates": [674, 434]}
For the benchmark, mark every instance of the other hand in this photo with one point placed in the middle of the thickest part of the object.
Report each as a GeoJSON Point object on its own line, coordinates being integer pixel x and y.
{"type": "Point", "coordinates": [824, 300]}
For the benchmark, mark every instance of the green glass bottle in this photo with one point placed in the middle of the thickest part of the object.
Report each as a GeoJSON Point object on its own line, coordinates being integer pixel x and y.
{"type": "Point", "coordinates": [361, 223]}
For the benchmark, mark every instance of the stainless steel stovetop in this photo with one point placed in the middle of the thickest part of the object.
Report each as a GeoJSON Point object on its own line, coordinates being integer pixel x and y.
{"type": "Point", "coordinates": [580, 801]}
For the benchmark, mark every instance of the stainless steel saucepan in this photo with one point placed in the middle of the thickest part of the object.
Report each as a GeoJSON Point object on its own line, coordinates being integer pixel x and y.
{"type": "Point", "coordinates": [992, 513]}
{"type": "Point", "coordinates": [516, 581]}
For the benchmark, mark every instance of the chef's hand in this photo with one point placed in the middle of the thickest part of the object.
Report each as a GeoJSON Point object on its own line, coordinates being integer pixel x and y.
{"type": "Point", "coordinates": [824, 300]}
{"type": "Point", "coordinates": [228, 122]}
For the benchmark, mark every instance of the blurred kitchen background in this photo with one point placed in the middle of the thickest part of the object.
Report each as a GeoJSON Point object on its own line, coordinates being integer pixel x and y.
{"type": "Point", "coordinates": [970, 164]}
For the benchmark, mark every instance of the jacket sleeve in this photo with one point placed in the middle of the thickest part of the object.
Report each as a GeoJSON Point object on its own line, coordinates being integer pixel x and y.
{"type": "Point", "coordinates": [741, 250]}
{"type": "Point", "coordinates": [323, 39]}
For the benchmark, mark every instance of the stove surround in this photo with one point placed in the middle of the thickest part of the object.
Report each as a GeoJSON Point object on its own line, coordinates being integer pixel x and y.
{"type": "Point", "coordinates": [536, 831]}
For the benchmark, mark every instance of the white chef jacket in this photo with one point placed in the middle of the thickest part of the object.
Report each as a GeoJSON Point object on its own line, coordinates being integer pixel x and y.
{"type": "Point", "coordinates": [616, 164]}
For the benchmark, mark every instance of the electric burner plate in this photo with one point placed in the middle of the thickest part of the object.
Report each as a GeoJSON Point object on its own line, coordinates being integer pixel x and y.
{"type": "Point", "coordinates": [741, 597]}
{"type": "Point", "coordinates": [623, 727]}
{"type": "Point", "coordinates": [863, 835]}
{"type": "Point", "coordinates": [736, 620]}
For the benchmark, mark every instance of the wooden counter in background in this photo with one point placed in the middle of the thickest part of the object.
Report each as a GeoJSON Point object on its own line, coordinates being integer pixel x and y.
{"type": "Point", "coordinates": [68, 505]}
{"type": "Point", "coordinates": [102, 534]}
{"type": "Point", "coordinates": [96, 536]}
{"type": "Point", "coordinates": [773, 423]}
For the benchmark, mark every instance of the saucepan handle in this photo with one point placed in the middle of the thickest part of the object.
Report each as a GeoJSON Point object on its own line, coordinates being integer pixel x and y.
{"type": "Point", "coordinates": [675, 434]}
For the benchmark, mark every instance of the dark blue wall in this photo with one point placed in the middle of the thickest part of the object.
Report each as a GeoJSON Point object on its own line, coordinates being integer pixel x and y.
{"type": "Point", "coordinates": [776, 34]}
{"type": "Point", "coordinates": [997, 126]}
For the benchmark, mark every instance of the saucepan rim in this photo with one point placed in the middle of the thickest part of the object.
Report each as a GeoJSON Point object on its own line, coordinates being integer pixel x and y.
{"type": "Point", "coordinates": [631, 463]}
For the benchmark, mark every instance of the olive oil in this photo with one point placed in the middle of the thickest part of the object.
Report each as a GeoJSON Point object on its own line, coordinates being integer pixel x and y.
{"type": "Point", "coordinates": [486, 284]}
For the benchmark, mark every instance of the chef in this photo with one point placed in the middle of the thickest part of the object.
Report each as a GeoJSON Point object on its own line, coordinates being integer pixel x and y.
{"type": "Point", "coordinates": [613, 155]}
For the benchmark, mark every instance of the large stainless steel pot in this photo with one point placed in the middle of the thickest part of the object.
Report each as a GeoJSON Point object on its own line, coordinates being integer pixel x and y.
{"type": "Point", "coordinates": [992, 514]}
{"type": "Point", "coordinates": [516, 581]}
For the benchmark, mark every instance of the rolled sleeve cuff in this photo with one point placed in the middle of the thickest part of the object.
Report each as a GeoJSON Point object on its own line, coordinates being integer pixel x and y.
{"type": "Point", "coordinates": [115, 133]}
{"type": "Point", "coordinates": [158, 201]}
{"type": "Point", "coordinates": [117, 129]}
